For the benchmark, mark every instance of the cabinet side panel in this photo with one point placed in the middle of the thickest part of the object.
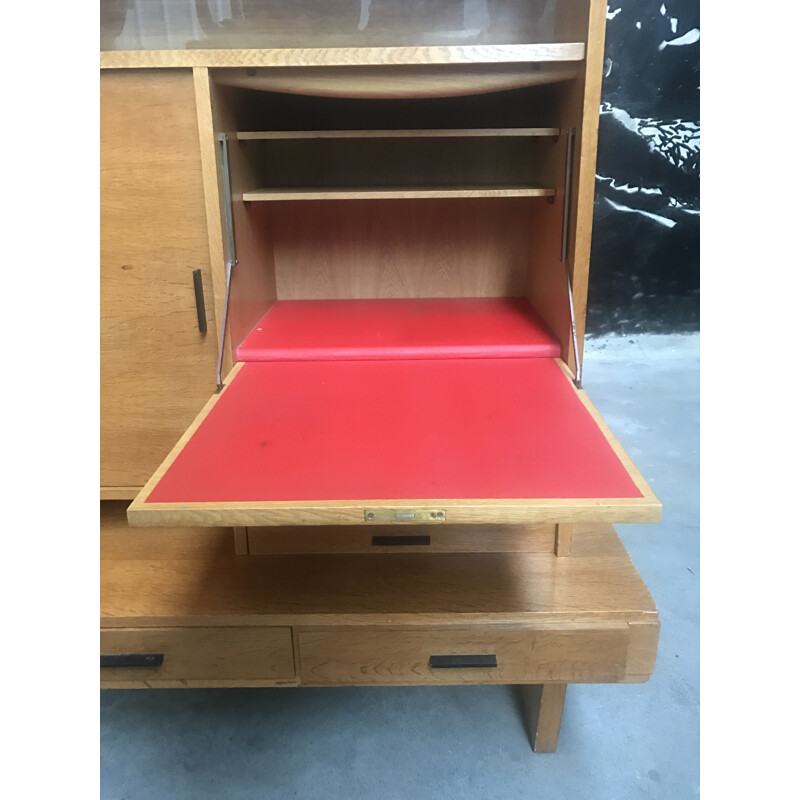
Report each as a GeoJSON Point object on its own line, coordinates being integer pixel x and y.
{"type": "Point", "coordinates": [579, 108]}
{"type": "Point", "coordinates": [157, 368]}
{"type": "Point", "coordinates": [253, 279]}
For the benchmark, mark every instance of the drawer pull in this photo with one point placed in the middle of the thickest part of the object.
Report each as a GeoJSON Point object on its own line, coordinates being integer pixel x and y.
{"type": "Point", "coordinates": [132, 660]}
{"type": "Point", "coordinates": [400, 541]}
{"type": "Point", "coordinates": [199, 300]}
{"type": "Point", "coordinates": [462, 662]}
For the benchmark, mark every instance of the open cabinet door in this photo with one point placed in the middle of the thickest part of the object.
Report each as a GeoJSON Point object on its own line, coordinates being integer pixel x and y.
{"type": "Point", "coordinates": [409, 441]}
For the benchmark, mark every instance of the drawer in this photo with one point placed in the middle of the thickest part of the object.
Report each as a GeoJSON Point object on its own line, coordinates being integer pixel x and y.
{"type": "Point", "coordinates": [389, 539]}
{"type": "Point", "coordinates": [210, 654]}
{"type": "Point", "coordinates": [384, 657]}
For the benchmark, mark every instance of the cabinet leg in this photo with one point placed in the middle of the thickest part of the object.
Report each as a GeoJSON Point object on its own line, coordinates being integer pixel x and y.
{"type": "Point", "coordinates": [544, 705]}
{"type": "Point", "coordinates": [240, 541]}
{"type": "Point", "coordinates": [563, 539]}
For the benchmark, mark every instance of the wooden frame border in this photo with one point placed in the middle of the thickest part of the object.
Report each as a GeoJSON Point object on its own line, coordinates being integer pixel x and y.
{"type": "Point", "coordinates": [646, 508]}
{"type": "Point", "coordinates": [344, 56]}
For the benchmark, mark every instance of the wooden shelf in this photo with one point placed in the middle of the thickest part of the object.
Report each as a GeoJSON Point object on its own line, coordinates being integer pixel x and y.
{"type": "Point", "coordinates": [421, 328]}
{"type": "Point", "coordinates": [399, 81]}
{"type": "Point", "coordinates": [244, 136]}
{"type": "Point", "coordinates": [193, 577]}
{"type": "Point", "coordinates": [394, 193]}
{"type": "Point", "coordinates": [346, 56]}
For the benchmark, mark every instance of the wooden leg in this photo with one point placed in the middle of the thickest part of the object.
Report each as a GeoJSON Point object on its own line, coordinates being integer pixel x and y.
{"type": "Point", "coordinates": [544, 704]}
{"type": "Point", "coordinates": [563, 539]}
{"type": "Point", "coordinates": [240, 541]}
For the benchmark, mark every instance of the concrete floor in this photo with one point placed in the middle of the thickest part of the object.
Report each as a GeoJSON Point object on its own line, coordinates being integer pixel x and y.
{"type": "Point", "coordinates": [617, 742]}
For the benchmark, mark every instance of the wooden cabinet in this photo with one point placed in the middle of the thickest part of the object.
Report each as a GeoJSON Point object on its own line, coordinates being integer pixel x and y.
{"type": "Point", "coordinates": [157, 368]}
{"type": "Point", "coordinates": [369, 619]}
{"type": "Point", "coordinates": [394, 233]}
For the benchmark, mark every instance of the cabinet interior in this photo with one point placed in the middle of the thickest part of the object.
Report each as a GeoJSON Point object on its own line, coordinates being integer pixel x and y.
{"type": "Point", "coordinates": [401, 198]}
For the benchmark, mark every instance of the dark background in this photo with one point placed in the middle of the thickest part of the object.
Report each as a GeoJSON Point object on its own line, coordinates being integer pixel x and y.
{"type": "Point", "coordinates": [645, 269]}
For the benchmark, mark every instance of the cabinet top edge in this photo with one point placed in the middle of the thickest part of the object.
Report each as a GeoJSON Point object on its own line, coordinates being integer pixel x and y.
{"type": "Point", "coordinates": [344, 56]}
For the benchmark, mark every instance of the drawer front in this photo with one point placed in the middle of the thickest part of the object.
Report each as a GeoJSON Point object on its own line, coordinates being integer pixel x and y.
{"type": "Point", "coordinates": [198, 654]}
{"type": "Point", "coordinates": [397, 539]}
{"type": "Point", "coordinates": [385, 657]}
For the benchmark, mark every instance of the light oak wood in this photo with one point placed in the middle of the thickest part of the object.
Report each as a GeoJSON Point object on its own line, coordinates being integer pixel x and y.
{"type": "Point", "coordinates": [586, 165]}
{"type": "Point", "coordinates": [544, 707]}
{"type": "Point", "coordinates": [357, 250]}
{"type": "Point", "coordinates": [563, 539]}
{"type": "Point", "coordinates": [193, 577]}
{"type": "Point", "coordinates": [253, 277]}
{"type": "Point", "coordinates": [241, 541]}
{"type": "Point", "coordinates": [399, 82]}
{"type": "Point", "coordinates": [194, 683]}
{"type": "Point", "coordinates": [447, 539]}
{"type": "Point", "coordinates": [351, 512]}
{"type": "Point", "coordinates": [212, 195]}
{"type": "Point", "coordinates": [119, 492]}
{"type": "Point", "coordinates": [354, 193]}
{"type": "Point", "coordinates": [642, 650]}
{"type": "Point", "coordinates": [218, 617]}
{"type": "Point", "coordinates": [253, 288]}
{"type": "Point", "coordinates": [344, 56]}
{"type": "Point", "coordinates": [201, 654]}
{"type": "Point", "coordinates": [596, 654]}
{"type": "Point", "coordinates": [578, 107]}
{"type": "Point", "coordinates": [347, 168]}
{"type": "Point", "coordinates": [157, 369]}
{"type": "Point", "coordinates": [433, 133]}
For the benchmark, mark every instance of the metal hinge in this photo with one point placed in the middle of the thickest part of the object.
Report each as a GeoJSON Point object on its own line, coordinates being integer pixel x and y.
{"type": "Point", "coordinates": [231, 260]}
{"type": "Point", "coordinates": [565, 248]}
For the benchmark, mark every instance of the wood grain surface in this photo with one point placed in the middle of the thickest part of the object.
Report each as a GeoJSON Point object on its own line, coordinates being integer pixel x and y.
{"type": "Point", "coordinates": [441, 539]}
{"type": "Point", "coordinates": [344, 56]}
{"type": "Point", "coordinates": [157, 369]}
{"type": "Point", "coordinates": [399, 82]}
{"type": "Point", "coordinates": [383, 657]}
{"type": "Point", "coordinates": [201, 654]}
{"type": "Point", "coordinates": [544, 706]}
{"type": "Point", "coordinates": [193, 577]}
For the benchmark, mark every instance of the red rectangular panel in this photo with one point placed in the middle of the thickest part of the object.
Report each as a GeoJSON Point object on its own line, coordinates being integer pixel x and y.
{"type": "Point", "coordinates": [359, 330]}
{"type": "Point", "coordinates": [385, 430]}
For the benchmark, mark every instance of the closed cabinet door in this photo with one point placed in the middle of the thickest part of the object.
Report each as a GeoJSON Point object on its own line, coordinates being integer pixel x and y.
{"type": "Point", "coordinates": [157, 364]}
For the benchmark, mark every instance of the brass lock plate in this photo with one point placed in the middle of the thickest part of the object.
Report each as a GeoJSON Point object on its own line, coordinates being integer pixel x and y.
{"type": "Point", "coordinates": [391, 516]}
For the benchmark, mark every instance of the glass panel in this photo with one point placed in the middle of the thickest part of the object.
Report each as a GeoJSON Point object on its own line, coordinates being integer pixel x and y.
{"type": "Point", "coordinates": [245, 24]}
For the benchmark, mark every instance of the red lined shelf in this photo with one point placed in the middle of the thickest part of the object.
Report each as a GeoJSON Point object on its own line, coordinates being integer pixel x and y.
{"type": "Point", "coordinates": [356, 430]}
{"type": "Point", "coordinates": [361, 330]}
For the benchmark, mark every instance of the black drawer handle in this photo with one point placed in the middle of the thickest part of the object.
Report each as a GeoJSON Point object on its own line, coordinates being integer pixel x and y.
{"type": "Point", "coordinates": [462, 662]}
{"type": "Point", "coordinates": [197, 277]}
{"type": "Point", "coordinates": [132, 660]}
{"type": "Point", "coordinates": [400, 541]}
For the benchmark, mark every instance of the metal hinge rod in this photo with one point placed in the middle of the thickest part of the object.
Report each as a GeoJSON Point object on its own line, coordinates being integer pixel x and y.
{"type": "Point", "coordinates": [230, 240]}
{"type": "Point", "coordinates": [565, 250]}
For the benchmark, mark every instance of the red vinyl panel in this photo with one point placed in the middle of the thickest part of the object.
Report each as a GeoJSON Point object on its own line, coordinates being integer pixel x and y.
{"type": "Point", "coordinates": [355, 330]}
{"type": "Point", "coordinates": [383, 430]}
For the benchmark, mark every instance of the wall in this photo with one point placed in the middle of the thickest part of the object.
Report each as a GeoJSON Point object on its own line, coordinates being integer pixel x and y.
{"type": "Point", "coordinates": [645, 274]}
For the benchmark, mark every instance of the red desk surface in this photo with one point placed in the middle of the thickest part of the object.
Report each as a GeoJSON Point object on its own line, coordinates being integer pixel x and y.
{"type": "Point", "coordinates": [386, 430]}
{"type": "Point", "coordinates": [479, 327]}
